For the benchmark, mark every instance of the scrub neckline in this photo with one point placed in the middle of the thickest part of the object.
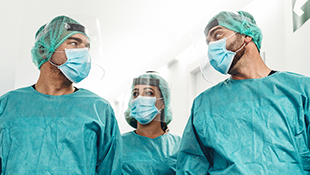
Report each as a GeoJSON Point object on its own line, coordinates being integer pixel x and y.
{"type": "Point", "coordinates": [134, 133]}
{"type": "Point", "coordinates": [55, 96]}
{"type": "Point", "coordinates": [254, 79]}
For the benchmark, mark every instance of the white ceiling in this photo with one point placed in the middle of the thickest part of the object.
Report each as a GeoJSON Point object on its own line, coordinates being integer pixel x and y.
{"type": "Point", "coordinates": [136, 35]}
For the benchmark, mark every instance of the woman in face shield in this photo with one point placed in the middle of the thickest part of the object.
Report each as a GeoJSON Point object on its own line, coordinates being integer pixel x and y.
{"type": "Point", "coordinates": [150, 149]}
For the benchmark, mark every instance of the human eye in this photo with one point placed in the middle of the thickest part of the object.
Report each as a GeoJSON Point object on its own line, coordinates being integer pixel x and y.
{"type": "Point", "coordinates": [135, 94]}
{"type": "Point", "coordinates": [149, 93]}
{"type": "Point", "coordinates": [73, 43]}
{"type": "Point", "coordinates": [217, 35]}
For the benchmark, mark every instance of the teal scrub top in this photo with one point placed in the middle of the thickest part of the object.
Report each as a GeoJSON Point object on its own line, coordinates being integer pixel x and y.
{"type": "Point", "coordinates": [146, 156]}
{"type": "Point", "coordinates": [68, 134]}
{"type": "Point", "coordinates": [252, 126]}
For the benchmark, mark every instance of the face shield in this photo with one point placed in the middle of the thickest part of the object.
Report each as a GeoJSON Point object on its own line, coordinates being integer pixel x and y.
{"type": "Point", "coordinates": [149, 100]}
{"type": "Point", "coordinates": [201, 47]}
{"type": "Point", "coordinates": [53, 34]}
{"type": "Point", "coordinates": [93, 31]}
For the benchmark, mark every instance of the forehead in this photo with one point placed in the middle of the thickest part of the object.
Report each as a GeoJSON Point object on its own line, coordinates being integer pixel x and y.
{"type": "Point", "coordinates": [80, 36]}
{"type": "Point", "coordinates": [217, 28]}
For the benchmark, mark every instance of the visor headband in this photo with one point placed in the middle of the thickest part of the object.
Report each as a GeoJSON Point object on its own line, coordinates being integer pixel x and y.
{"type": "Point", "coordinates": [74, 27]}
{"type": "Point", "coordinates": [212, 24]}
{"type": "Point", "coordinates": [146, 81]}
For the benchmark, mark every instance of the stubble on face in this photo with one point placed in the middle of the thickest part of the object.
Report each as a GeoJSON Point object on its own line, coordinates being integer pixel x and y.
{"type": "Point", "coordinates": [234, 46]}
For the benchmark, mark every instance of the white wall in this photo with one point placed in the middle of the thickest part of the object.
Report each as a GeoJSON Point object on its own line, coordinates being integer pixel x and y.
{"type": "Point", "coordinates": [10, 50]}
{"type": "Point", "coordinates": [297, 43]}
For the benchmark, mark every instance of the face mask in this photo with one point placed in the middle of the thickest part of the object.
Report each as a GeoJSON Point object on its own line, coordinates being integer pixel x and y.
{"type": "Point", "coordinates": [77, 66]}
{"type": "Point", "coordinates": [221, 58]}
{"type": "Point", "coordinates": [143, 109]}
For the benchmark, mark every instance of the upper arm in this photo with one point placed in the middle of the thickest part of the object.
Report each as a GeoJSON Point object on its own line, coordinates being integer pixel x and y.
{"type": "Point", "coordinates": [192, 158]}
{"type": "Point", "coordinates": [110, 144]}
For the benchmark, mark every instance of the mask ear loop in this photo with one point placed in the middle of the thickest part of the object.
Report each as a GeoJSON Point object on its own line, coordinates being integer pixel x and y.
{"type": "Point", "coordinates": [240, 48]}
{"type": "Point", "coordinates": [230, 36]}
{"type": "Point", "coordinates": [49, 60]}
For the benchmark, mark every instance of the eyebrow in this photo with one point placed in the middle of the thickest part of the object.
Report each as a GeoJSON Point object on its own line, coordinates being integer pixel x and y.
{"type": "Point", "coordinates": [212, 31]}
{"type": "Point", "coordinates": [144, 89]}
{"type": "Point", "coordinates": [215, 29]}
{"type": "Point", "coordinates": [80, 41]}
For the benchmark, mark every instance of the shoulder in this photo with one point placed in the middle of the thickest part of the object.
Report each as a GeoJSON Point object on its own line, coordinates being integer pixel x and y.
{"type": "Point", "coordinates": [13, 96]}
{"type": "Point", "coordinates": [128, 134]}
{"type": "Point", "coordinates": [291, 79]}
{"type": "Point", "coordinates": [291, 74]}
{"type": "Point", "coordinates": [129, 138]}
{"type": "Point", "coordinates": [174, 137]}
{"type": "Point", "coordinates": [84, 93]}
{"type": "Point", "coordinates": [18, 91]}
{"type": "Point", "coordinates": [215, 90]}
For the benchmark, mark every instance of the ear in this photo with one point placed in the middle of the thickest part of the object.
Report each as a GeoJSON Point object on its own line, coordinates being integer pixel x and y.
{"type": "Point", "coordinates": [247, 39]}
{"type": "Point", "coordinates": [41, 50]}
{"type": "Point", "coordinates": [162, 106]}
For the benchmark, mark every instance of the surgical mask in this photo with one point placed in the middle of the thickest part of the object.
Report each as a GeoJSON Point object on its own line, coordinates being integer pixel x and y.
{"type": "Point", "coordinates": [221, 58]}
{"type": "Point", "coordinates": [143, 109]}
{"type": "Point", "coordinates": [77, 66]}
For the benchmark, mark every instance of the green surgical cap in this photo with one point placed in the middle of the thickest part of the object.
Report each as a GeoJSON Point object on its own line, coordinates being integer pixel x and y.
{"type": "Point", "coordinates": [163, 86]}
{"type": "Point", "coordinates": [241, 22]}
{"type": "Point", "coordinates": [50, 36]}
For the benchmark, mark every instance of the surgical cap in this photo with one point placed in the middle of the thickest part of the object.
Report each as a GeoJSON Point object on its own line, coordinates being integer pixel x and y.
{"type": "Point", "coordinates": [241, 22]}
{"type": "Point", "coordinates": [50, 36]}
{"type": "Point", "coordinates": [163, 86]}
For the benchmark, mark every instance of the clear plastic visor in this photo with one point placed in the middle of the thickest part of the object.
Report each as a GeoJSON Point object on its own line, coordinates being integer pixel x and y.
{"type": "Point", "coordinates": [93, 31]}
{"type": "Point", "coordinates": [147, 94]}
{"type": "Point", "coordinates": [201, 49]}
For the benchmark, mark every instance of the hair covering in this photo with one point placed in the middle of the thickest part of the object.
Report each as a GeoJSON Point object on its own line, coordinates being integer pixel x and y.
{"type": "Point", "coordinates": [241, 22]}
{"type": "Point", "coordinates": [50, 36]}
{"type": "Point", "coordinates": [163, 87]}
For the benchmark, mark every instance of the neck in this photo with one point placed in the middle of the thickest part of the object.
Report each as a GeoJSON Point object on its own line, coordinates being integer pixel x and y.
{"type": "Point", "coordinates": [250, 66]}
{"type": "Point", "coordinates": [151, 130]}
{"type": "Point", "coordinates": [52, 82]}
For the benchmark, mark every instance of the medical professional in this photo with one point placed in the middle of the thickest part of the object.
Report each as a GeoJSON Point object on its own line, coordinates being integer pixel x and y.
{"type": "Point", "coordinates": [254, 122]}
{"type": "Point", "coordinates": [54, 127]}
{"type": "Point", "coordinates": [151, 148]}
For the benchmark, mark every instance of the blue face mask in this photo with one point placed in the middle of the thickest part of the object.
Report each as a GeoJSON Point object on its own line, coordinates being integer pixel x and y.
{"type": "Point", "coordinates": [77, 66]}
{"type": "Point", "coordinates": [221, 58]}
{"type": "Point", "coordinates": [143, 109]}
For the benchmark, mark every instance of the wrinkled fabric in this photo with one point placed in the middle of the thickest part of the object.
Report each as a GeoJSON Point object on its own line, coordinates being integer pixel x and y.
{"type": "Point", "coordinates": [143, 155]}
{"type": "Point", "coordinates": [241, 22]}
{"type": "Point", "coordinates": [252, 126]}
{"type": "Point", "coordinates": [68, 134]}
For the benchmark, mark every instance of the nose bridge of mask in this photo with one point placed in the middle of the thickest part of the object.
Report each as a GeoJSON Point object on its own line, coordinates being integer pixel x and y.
{"type": "Point", "coordinates": [143, 100]}
{"type": "Point", "coordinates": [222, 42]}
{"type": "Point", "coordinates": [77, 54]}
{"type": "Point", "coordinates": [143, 109]}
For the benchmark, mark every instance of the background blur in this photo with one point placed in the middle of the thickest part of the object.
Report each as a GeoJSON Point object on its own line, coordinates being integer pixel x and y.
{"type": "Point", "coordinates": [133, 36]}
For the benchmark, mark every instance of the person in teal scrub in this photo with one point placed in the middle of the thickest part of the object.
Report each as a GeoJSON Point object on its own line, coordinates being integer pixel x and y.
{"type": "Point", "coordinates": [54, 127]}
{"type": "Point", "coordinates": [257, 121]}
{"type": "Point", "coordinates": [151, 148]}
